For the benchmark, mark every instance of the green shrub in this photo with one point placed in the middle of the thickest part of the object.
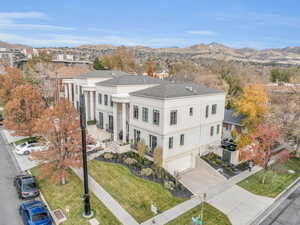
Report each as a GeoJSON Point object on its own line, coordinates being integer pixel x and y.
{"type": "Point", "coordinates": [108, 156]}
{"type": "Point", "coordinates": [169, 185]}
{"type": "Point", "coordinates": [91, 122]}
{"type": "Point", "coordinates": [146, 172]}
{"type": "Point", "coordinates": [130, 161]}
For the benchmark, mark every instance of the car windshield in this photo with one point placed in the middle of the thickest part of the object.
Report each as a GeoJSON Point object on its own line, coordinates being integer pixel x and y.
{"type": "Point", "coordinates": [23, 145]}
{"type": "Point", "coordinates": [29, 186]}
{"type": "Point", "coordinates": [40, 216]}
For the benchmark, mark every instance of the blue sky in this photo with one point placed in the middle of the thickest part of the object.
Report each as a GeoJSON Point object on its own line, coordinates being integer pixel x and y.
{"type": "Point", "coordinates": [156, 23]}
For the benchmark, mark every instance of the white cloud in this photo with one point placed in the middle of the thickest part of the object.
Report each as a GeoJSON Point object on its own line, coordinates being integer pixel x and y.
{"type": "Point", "coordinates": [73, 40]}
{"type": "Point", "coordinates": [8, 21]}
{"type": "Point", "coordinates": [202, 32]}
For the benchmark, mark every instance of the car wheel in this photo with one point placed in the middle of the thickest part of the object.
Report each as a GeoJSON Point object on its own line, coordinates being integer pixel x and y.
{"type": "Point", "coordinates": [26, 152]}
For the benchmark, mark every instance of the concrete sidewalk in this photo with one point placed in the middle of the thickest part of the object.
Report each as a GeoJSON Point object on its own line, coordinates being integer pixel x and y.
{"type": "Point", "coordinates": [122, 215]}
{"type": "Point", "coordinates": [240, 205]}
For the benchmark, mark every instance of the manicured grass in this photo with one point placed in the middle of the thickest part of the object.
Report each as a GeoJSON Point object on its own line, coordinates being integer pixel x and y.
{"type": "Point", "coordinates": [19, 142]}
{"type": "Point", "coordinates": [133, 193]}
{"type": "Point", "coordinates": [211, 216]}
{"type": "Point", "coordinates": [70, 194]}
{"type": "Point", "coordinates": [272, 186]}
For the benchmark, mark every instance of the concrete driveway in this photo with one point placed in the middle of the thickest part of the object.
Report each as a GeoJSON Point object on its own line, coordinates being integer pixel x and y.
{"type": "Point", "coordinates": [202, 178]}
{"type": "Point", "coordinates": [239, 205]}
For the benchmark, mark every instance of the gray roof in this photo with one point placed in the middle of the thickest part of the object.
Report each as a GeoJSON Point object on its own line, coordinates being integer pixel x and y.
{"type": "Point", "coordinates": [101, 73]}
{"type": "Point", "coordinates": [231, 117]}
{"type": "Point", "coordinates": [130, 80]}
{"type": "Point", "coordinates": [169, 89]}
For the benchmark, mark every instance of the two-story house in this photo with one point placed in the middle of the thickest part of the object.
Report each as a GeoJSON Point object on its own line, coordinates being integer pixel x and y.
{"type": "Point", "coordinates": [183, 119]}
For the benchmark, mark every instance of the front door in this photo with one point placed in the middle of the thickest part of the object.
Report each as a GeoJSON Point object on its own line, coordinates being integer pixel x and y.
{"type": "Point", "coordinates": [226, 156]}
{"type": "Point", "coordinates": [136, 136]}
{"type": "Point", "coordinates": [152, 143]}
{"type": "Point", "coordinates": [101, 120]}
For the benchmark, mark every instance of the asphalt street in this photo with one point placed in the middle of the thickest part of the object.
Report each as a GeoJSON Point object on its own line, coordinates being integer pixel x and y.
{"type": "Point", "coordinates": [287, 213]}
{"type": "Point", "coordinates": [9, 201]}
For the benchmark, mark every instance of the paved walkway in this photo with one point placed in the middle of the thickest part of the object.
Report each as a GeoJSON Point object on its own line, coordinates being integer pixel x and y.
{"type": "Point", "coordinates": [240, 205]}
{"type": "Point", "coordinates": [122, 215]}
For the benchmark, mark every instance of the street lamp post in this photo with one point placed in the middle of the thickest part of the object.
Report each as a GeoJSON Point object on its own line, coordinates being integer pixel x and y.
{"type": "Point", "coordinates": [86, 197]}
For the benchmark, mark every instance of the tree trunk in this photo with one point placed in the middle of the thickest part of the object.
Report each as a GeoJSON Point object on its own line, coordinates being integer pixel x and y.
{"type": "Point", "coordinates": [298, 148]}
{"type": "Point", "coordinates": [264, 176]}
{"type": "Point", "coordinates": [63, 180]}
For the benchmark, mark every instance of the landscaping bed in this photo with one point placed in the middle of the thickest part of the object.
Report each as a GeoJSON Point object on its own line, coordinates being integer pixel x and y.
{"type": "Point", "coordinates": [226, 169]}
{"type": "Point", "coordinates": [275, 183]}
{"type": "Point", "coordinates": [211, 216]}
{"type": "Point", "coordinates": [29, 139]}
{"type": "Point", "coordinates": [133, 193]}
{"type": "Point", "coordinates": [70, 195]}
{"type": "Point", "coordinates": [145, 169]}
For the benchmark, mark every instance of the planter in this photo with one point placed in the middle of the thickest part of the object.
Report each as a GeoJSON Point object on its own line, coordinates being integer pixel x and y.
{"type": "Point", "coordinates": [159, 175]}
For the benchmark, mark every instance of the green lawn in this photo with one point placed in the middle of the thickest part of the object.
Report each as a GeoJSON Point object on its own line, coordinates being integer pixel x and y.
{"type": "Point", "coordinates": [272, 188]}
{"type": "Point", "coordinates": [211, 216]}
{"type": "Point", "coordinates": [70, 195]}
{"type": "Point", "coordinates": [133, 193]}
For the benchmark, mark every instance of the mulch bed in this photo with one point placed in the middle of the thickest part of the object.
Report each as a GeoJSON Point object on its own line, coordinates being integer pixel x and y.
{"type": "Point", "coordinates": [159, 175]}
{"type": "Point", "coordinates": [228, 170]}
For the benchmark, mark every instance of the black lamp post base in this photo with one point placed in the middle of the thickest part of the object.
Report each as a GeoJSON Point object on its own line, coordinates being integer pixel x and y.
{"type": "Point", "coordinates": [88, 216]}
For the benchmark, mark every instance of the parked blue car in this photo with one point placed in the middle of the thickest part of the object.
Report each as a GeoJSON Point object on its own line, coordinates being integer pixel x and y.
{"type": "Point", "coordinates": [35, 213]}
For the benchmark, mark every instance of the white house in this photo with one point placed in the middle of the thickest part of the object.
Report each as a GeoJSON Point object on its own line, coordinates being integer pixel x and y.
{"type": "Point", "coordinates": [183, 119]}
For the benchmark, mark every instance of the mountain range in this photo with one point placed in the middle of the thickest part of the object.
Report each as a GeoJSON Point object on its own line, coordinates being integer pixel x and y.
{"type": "Point", "coordinates": [289, 56]}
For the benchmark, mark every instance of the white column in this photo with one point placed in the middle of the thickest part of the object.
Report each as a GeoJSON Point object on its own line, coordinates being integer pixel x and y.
{"type": "Point", "coordinates": [124, 122]}
{"type": "Point", "coordinates": [86, 105]}
{"type": "Point", "coordinates": [70, 92]}
{"type": "Point", "coordinates": [66, 90]}
{"type": "Point", "coordinates": [115, 121]}
{"type": "Point", "coordinates": [92, 104]}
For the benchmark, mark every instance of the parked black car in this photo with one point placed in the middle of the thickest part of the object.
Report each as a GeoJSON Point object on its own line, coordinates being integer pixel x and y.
{"type": "Point", "coordinates": [26, 186]}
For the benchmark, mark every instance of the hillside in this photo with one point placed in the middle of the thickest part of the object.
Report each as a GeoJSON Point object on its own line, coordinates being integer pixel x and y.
{"type": "Point", "coordinates": [8, 45]}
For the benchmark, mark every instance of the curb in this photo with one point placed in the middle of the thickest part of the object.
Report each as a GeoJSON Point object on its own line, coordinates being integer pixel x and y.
{"type": "Point", "coordinates": [17, 165]}
{"type": "Point", "coordinates": [46, 203]}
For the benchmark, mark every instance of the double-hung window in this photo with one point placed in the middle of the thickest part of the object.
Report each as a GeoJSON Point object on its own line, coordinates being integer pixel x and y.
{"type": "Point", "coordinates": [211, 131]}
{"type": "Point", "coordinates": [100, 99]}
{"type": "Point", "coordinates": [145, 114]}
{"type": "Point", "coordinates": [206, 111]}
{"type": "Point", "coordinates": [105, 99]}
{"type": "Point", "coordinates": [156, 117]}
{"type": "Point", "coordinates": [182, 139]}
{"type": "Point", "coordinates": [170, 142]}
{"type": "Point", "coordinates": [191, 111]}
{"type": "Point", "coordinates": [214, 109]}
{"type": "Point", "coordinates": [173, 117]}
{"type": "Point", "coordinates": [135, 112]}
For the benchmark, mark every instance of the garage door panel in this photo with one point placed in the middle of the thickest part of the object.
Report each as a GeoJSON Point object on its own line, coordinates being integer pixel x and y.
{"type": "Point", "coordinates": [180, 164]}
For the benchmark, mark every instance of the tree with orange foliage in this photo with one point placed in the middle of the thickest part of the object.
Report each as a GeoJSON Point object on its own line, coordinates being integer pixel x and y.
{"type": "Point", "coordinates": [253, 103]}
{"type": "Point", "coordinates": [121, 59]}
{"type": "Point", "coordinates": [24, 108]}
{"type": "Point", "coordinates": [149, 68]}
{"type": "Point", "coordinates": [260, 151]}
{"type": "Point", "coordinates": [9, 80]}
{"type": "Point", "coordinates": [61, 129]}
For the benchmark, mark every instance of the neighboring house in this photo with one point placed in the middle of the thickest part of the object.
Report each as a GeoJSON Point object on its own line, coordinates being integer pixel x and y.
{"type": "Point", "coordinates": [185, 120]}
{"type": "Point", "coordinates": [232, 121]}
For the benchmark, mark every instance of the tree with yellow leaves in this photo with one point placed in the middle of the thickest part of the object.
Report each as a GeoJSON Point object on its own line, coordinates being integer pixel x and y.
{"type": "Point", "coordinates": [253, 103]}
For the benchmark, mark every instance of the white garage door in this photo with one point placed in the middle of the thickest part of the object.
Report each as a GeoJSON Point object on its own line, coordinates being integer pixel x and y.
{"type": "Point", "coordinates": [180, 164]}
